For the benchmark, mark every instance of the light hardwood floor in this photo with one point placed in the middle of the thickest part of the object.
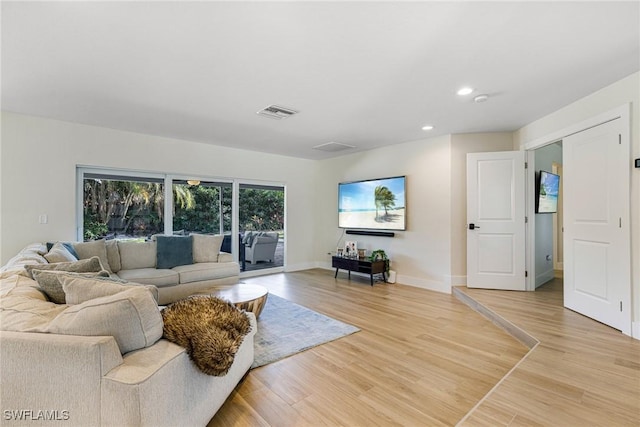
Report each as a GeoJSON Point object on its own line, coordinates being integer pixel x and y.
{"type": "Point", "coordinates": [426, 359]}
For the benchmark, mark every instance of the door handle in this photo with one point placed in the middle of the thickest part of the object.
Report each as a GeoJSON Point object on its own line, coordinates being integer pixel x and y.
{"type": "Point", "coordinates": [472, 226]}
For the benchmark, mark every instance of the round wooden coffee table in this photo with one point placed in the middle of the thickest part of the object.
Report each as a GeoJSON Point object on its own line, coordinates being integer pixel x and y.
{"type": "Point", "coordinates": [246, 297]}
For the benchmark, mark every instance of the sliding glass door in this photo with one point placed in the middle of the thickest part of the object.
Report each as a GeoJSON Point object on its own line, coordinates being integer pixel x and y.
{"type": "Point", "coordinates": [136, 205]}
{"type": "Point", "coordinates": [261, 225]}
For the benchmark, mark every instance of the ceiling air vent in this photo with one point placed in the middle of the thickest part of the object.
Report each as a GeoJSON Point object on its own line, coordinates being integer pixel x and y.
{"type": "Point", "coordinates": [332, 147]}
{"type": "Point", "coordinates": [277, 112]}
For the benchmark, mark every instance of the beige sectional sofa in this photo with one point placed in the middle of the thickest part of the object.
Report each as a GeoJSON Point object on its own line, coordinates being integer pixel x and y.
{"type": "Point", "coordinates": [136, 261]}
{"type": "Point", "coordinates": [102, 361]}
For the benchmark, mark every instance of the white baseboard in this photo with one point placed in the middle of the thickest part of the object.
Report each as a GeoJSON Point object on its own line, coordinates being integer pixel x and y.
{"type": "Point", "coordinates": [429, 284]}
{"type": "Point", "coordinates": [544, 277]}
{"type": "Point", "coordinates": [458, 280]}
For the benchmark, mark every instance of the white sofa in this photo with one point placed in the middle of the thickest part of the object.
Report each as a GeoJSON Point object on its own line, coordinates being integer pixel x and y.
{"type": "Point", "coordinates": [87, 380]}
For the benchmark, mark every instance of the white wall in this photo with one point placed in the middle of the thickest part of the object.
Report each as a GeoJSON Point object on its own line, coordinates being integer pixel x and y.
{"type": "Point", "coordinates": [622, 92]}
{"type": "Point", "coordinates": [421, 254]}
{"type": "Point", "coordinates": [38, 176]}
{"type": "Point", "coordinates": [544, 158]}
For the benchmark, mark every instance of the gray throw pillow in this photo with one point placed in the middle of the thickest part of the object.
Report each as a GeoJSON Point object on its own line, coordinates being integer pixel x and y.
{"type": "Point", "coordinates": [91, 265]}
{"type": "Point", "coordinates": [50, 281]}
{"type": "Point", "coordinates": [80, 289]}
{"type": "Point", "coordinates": [173, 251]}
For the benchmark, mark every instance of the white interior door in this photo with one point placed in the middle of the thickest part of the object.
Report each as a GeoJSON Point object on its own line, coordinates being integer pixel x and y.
{"type": "Point", "coordinates": [597, 270]}
{"type": "Point", "coordinates": [496, 220]}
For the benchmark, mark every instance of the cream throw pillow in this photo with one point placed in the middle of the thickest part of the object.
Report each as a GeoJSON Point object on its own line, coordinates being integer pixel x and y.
{"type": "Point", "coordinates": [59, 253]}
{"type": "Point", "coordinates": [95, 248]}
{"type": "Point", "coordinates": [131, 317]}
{"type": "Point", "coordinates": [81, 289]}
{"type": "Point", "coordinates": [135, 255]}
{"type": "Point", "coordinates": [206, 247]}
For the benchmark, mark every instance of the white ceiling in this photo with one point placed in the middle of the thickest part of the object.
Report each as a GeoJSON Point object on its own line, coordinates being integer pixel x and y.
{"type": "Point", "coordinates": [366, 74]}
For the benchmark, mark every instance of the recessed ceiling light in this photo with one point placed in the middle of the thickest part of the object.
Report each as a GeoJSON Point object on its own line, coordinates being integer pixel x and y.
{"type": "Point", "coordinates": [465, 91]}
{"type": "Point", "coordinates": [427, 127]}
{"type": "Point", "coordinates": [481, 98]}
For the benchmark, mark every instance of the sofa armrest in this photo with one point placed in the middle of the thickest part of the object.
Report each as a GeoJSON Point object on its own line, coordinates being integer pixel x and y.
{"type": "Point", "coordinates": [49, 372]}
{"type": "Point", "coordinates": [225, 257]}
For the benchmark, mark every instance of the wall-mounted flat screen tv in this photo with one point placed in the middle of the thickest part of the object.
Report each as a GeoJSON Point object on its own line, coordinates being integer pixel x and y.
{"type": "Point", "coordinates": [547, 194]}
{"type": "Point", "coordinates": [377, 204]}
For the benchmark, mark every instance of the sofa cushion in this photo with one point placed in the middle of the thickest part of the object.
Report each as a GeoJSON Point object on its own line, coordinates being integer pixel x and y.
{"type": "Point", "coordinates": [151, 276]}
{"type": "Point", "coordinates": [206, 271]}
{"type": "Point", "coordinates": [94, 248]}
{"type": "Point", "coordinates": [134, 255]}
{"type": "Point", "coordinates": [51, 284]}
{"type": "Point", "coordinates": [113, 255]}
{"type": "Point", "coordinates": [206, 247]}
{"type": "Point", "coordinates": [60, 252]}
{"type": "Point", "coordinates": [32, 254]}
{"type": "Point", "coordinates": [24, 308]}
{"type": "Point", "coordinates": [80, 289]}
{"type": "Point", "coordinates": [174, 251]}
{"type": "Point", "coordinates": [131, 317]}
{"type": "Point", "coordinates": [91, 265]}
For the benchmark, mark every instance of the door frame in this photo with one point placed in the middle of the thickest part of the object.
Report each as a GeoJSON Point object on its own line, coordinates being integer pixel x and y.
{"type": "Point", "coordinates": [622, 113]}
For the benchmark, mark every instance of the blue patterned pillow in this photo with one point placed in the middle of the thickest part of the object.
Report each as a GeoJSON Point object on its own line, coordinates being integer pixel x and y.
{"type": "Point", "coordinates": [173, 251]}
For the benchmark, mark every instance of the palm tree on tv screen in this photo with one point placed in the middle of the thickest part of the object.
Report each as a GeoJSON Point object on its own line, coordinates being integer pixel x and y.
{"type": "Point", "coordinates": [384, 198]}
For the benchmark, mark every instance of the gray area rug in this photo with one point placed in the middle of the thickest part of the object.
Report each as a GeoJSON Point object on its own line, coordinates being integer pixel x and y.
{"type": "Point", "coordinates": [286, 328]}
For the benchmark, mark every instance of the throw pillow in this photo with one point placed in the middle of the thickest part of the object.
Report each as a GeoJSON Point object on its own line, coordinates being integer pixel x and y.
{"type": "Point", "coordinates": [95, 248]}
{"type": "Point", "coordinates": [173, 251]}
{"type": "Point", "coordinates": [91, 265]}
{"type": "Point", "coordinates": [206, 247]}
{"type": "Point", "coordinates": [67, 245]}
{"type": "Point", "coordinates": [60, 253]}
{"type": "Point", "coordinates": [51, 284]}
{"type": "Point", "coordinates": [131, 317]}
{"type": "Point", "coordinates": [80, 289]}
{"type": "Point", "coordinates": [113, 255]}
{"type": "Point", "coordinates": [135, 255]}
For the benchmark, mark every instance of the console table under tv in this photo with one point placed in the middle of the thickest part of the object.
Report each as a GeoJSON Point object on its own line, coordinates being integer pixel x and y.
{"type": "Point", "coordinates": [360, 266]}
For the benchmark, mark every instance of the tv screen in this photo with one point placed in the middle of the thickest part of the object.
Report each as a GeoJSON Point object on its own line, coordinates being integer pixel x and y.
{"type": "Point", "coordinates": [547, 200]}
{"type": "Point", "coordinates": [372, 204]}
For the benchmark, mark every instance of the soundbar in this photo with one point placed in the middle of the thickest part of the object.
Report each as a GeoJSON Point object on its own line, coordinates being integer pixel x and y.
{"type": "Point", "coordinates": [372, 233]}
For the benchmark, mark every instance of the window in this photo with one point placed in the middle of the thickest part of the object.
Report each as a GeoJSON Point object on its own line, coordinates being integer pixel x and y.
{"type": "Point", "coordinates": [120, 206]}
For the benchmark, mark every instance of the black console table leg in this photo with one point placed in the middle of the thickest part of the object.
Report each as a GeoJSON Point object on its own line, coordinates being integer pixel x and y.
{"type": "Point", "coordinates": [336, 275]}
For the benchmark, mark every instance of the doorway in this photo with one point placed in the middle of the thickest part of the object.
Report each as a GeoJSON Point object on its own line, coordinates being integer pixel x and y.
{"type": "Point", "coordinates": [546, 223]}
{"type": "Point", "coordinates": [596, 218]}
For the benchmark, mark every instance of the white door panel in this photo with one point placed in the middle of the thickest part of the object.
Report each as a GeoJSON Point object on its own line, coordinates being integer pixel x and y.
{"type": "Point", "coordinates": [597, 269]}
{"type": "Point", "coordinates": [495, 207]}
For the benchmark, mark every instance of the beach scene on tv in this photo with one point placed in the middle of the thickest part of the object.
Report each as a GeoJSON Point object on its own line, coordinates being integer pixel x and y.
{"type": "Point", "coordinates": [548, 195]}
{"type": "Point", "coordinates": [374, 204]}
